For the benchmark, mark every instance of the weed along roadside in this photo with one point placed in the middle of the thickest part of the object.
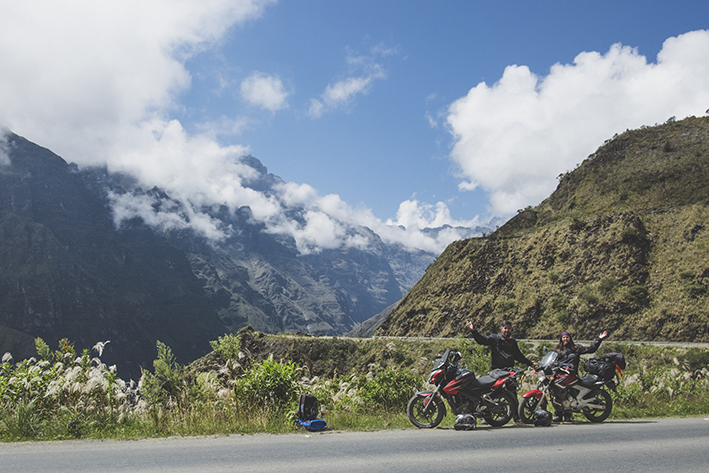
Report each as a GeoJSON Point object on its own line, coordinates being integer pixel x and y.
{"type": "Point", "coordinates": [251, 382]}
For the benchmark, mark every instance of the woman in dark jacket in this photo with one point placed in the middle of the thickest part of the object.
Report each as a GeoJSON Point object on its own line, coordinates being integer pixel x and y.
{"type": "Point", "coordinates": [569, 355]}
{"type": "Point", "coordinates": [569, 352]}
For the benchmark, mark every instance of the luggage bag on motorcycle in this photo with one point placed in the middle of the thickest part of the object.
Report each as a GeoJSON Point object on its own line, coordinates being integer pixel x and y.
{"type": "Point", "coordinates": [616, 358]}
{"type": "Point", "coordinates": [604, 369]}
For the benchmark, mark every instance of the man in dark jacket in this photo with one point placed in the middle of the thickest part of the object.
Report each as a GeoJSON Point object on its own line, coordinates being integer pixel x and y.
{"type": "Point", "coordinates": [503, 348]}
{"type": "Point", "coordinates": [504, 351]}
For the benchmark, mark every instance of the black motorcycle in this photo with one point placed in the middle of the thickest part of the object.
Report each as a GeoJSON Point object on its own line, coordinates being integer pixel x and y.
{"type": "Point", "coordinates": [487, 397]}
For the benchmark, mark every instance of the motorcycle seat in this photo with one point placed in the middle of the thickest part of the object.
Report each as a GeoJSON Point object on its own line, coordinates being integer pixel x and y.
{"type": "Point", "coordinates": [499, 373]}
{"type": "Point", "coordinates": [483, 382]}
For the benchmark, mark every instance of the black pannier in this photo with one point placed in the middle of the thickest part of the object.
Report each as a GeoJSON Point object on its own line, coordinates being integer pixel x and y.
{"type": "Point", "coordinates": [600, 367]}
{"type": "Point", "coordinates": [616, 359]}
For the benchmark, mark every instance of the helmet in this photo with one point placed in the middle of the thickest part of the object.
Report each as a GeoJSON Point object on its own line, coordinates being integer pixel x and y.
{"type": "Point", "coordinates": [542, 417]}
{"type": "Point", "coordinates": [464, 422]}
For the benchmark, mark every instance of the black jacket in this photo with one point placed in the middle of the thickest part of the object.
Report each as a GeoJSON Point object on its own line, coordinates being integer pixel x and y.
{"type": "Point", "coordinates": [504, 350]}
{"type": "Point", "coordinates": [570, 357]}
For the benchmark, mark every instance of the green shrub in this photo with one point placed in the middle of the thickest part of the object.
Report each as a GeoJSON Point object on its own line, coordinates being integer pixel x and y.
{"type": "Point", "coordinates": [588, 295]}
{"type": "Point", "coordinates": [475, 357]}
{"type": "Point", "coordinates": [269, 384]}
{"type": "Point", "coordinates": [390, 390]}
{"type": "Point", "coordinates": [607, 285]}
{"type": "Point", "coordinates": [227, 346]}
{"type": "Point", "coordinates": [695, 359]}
{"type": "Point", "coordinates": [695, 291]}
{"type": "Point", "coordinates": [67, 397]}
{"type": "Point", "coordinates": [165, 387]}
{"type": "Point", "coordinates": [637, 296]}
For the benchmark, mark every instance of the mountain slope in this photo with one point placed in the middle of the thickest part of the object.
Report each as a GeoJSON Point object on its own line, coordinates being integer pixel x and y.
{"type": "Point", "coordinates": [620, 245]}
{"type": "Point", "coordinates": [68, 271]}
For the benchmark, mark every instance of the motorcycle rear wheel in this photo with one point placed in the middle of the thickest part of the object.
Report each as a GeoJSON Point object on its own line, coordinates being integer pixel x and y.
{"type": "Point", "coordinates": [499, 415]}
{"type": "Point", "coordinates": [527, 407]}
{"type": "Point", "coordinates": [431, 418]}
{"type": "Point", "coordinates": [599, 415]}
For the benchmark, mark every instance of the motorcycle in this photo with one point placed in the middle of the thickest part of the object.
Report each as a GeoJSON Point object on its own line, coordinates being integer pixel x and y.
{"type": "Point", "coordinates": [487, 397]}
{"type": "Point", "coordinates": [568, 392]}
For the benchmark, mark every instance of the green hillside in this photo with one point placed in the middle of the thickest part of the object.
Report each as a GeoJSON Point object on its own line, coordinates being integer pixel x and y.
{"type": "Point", "coordinates": [622, 244]}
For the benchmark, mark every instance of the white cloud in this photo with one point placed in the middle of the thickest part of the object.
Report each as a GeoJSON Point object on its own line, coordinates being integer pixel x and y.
{"type": "Point", "coordinates": [82, 76]}
{"type": "Point", "coordinates": [265, 91]}
{"type": "Point", "coordinates": [364, 71]}
{"type": "Point", "coordinates": [96, 83]}
{"type": "Point", "coordinates": [513, 138]}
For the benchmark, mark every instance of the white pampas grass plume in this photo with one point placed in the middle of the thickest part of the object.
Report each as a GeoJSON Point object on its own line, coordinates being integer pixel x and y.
{"type": "Point", "coordinates": [100, 346]}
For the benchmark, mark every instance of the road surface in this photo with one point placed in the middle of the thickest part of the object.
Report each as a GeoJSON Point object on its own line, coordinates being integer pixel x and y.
{"type": "Point", "coordinates": [657, 445]}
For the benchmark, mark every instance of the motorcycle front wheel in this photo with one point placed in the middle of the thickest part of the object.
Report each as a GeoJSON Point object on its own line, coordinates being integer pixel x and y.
{"type": "Point", "coordinates": [527, 407]}
{"type": "Point", "coordinates": [433, 415]}
{"type": "Point", "coordinates": [599, 415]}
{"type": "Point", "coordinates": [501, 413]}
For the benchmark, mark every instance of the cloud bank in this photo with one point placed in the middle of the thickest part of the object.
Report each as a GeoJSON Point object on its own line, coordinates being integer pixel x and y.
{"type": "Point", "coordinates": [513, 138]}
{"type": "Point", "coordinates": [96, 82]}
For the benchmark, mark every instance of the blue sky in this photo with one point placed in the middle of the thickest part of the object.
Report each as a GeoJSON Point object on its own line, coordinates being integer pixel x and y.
{"type": "Point", "coordinates": [415, 113]}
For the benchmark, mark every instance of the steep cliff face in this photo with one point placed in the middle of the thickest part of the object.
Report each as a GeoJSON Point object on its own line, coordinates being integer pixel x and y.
{"type": "Point", "coordinates": [620, 245]}
{"type": "Point", "coordinates": [65, 271]}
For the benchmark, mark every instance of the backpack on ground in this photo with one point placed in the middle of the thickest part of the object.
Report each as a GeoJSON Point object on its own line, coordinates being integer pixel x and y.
{"type": "Point", "coordinates": [308, 410]}
{"type": "Point", "coordinates": [308, 407]}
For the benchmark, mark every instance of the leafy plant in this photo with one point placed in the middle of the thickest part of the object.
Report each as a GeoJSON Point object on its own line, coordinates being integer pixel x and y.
{"type": "Point", "coordinates": [227, 346]}
{"type": "Point", "coordinates": [695, 291]}
{"type": "Point", "coordinates": [164, 387]}
{"type": "Point", "coordinates": [390, 390]}
{"type": "Point", "coordinates": [269, 384]}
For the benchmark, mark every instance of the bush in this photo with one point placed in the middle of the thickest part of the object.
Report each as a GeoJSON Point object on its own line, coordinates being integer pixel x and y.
{"type": "Point", "coordinates": [269, 384]}
{"type": "Point", "coordinates": [164, 388]}
{"type": "Point", "coordinates": [227, 346]}
{"type": "Point", "coordinates": [695, 291]}
{"type": "Point", "coordinates": [588, 295]}
{"type": "Point", "coordinates": [390, 390]}
{"type": "Point", "coordinates": [637, 296]}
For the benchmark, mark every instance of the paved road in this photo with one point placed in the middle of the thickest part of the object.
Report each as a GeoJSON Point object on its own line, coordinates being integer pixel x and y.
{"type": "Point", "coordinates": [666, 445]}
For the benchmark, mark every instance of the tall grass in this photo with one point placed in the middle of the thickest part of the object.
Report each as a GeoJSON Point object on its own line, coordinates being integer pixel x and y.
{"type": "Point", "coordinates": [62, 395]}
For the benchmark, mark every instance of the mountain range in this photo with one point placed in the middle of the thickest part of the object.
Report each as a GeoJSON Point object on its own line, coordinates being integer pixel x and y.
{"type": "Point", "coordinates": [68, 270]}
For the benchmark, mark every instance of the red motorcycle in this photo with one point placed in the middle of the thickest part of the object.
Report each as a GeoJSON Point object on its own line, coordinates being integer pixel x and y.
{"type": "Point", "coordinates": [568, 392]}
{"type": "Point", "coordinates": [487, 397]}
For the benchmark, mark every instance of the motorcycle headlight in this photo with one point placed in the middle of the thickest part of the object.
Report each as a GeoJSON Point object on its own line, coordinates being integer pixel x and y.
{"type": "Point", "coordinates": [541, 375]}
